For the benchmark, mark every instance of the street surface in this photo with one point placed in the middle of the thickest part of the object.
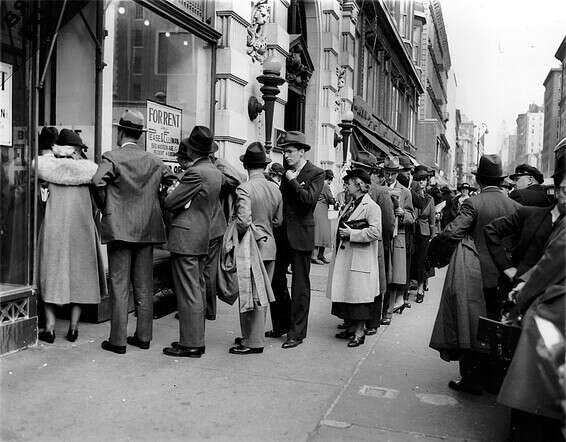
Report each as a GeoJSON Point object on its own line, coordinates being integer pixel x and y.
{"type": "Point", "coordinates": [392, 388]}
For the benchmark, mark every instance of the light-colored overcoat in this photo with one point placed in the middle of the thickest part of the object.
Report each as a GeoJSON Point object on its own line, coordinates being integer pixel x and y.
{"type": "Point", "coordinates": [399, 245]}
{"type": "Point", "coordinates": [354, 272]}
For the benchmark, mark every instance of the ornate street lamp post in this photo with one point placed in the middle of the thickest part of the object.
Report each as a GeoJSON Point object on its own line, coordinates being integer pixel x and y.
{"type": "Point", "coordinates": [271, 80]}
{"type": "Point", "coordinates": [346, 127]}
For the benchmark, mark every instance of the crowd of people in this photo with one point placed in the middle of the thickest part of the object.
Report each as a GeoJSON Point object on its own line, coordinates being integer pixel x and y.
{"type": "Point", "coordinates": [234, 237]}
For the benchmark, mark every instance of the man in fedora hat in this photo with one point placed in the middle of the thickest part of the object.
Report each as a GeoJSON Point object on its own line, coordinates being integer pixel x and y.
{"type": "Point", "coordinates": [193, 204]}
{"type": "Point", "coordinates": [258, 203]}
{"type": "Point", "coordinates": [300, 187]}
{"type": "Point", "coordinates": [127, 187]}
{"type": "Point", "coordinates": [529, 190]}
{"type": "Point", "coordinates": [475, 213]}
{"type": "Point", "coordinates": [396, 299]}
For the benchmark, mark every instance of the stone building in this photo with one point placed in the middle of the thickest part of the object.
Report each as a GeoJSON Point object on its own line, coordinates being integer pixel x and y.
{"type": "Point", "coordinates": [551, 134]}
{"type": "Point", "coordinates": [529, 136]}
{"type": "Point", "coordinates": [467, 149]}
{"type": "Point", "coordinates": [561, 56]}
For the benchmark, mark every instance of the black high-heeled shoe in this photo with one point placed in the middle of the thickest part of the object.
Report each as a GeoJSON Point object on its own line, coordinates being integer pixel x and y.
{"type": "Point", "coordinates": [356, 341]}
{"type": "Point", "coordinates": [399, 310]}
{"type": "Point", "coordinates": [72, 334]}
{"type": "Point", "coordinates": [420, 298]}
{"type": "Point", "coordinates": [46, 336]}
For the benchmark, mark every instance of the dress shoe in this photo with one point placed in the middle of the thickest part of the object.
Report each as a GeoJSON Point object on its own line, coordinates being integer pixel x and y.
{"type": "Point", "coordinates": [386, 321]}
{"type": "Point", "coordinates": [243, 350]}
{"type": "Point", "coordinates": [46, 336]}
{"type": "Point", "coordinates": [420, 298]}
{"type": "Point", "coordinates": [371, 331]}
{"type": "Point", "coordinates": [407, 304]}
{"type": "Point", "coordinates": [133, 340]}
{"type": "Point", "coordinates": [274, 334]}
{"type": "Point", "coordinates": [317, 261]}
{"type": "Point", "coordinates": [181, 351]}
{"type": "Point", "coordinates": [176, 344]}
{"type": "Point", "coordinates": [120, 349]}
{"type": "Point", "coordinates": [238, 340]}
{"type": "Point", "coordinates": [356, 341]}
{"type": "Point", "coordinates": [344, 334]}
{"type": "Point", "coordinates": [72, 334]}
{"type": "Point", "coordinates": [342, 326]}
{"type": "Point", "coordinates": [465, 387]}
{"type": "Point", "coordinates": [324, 260]}
{"type": "Point", "coordinates": [291, 343]}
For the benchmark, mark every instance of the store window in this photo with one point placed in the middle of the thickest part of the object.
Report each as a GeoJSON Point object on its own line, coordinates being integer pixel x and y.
{"type": "Point", "coordinates": [166, 72]}
{"type": "Point", "coordinates": [16, 151]}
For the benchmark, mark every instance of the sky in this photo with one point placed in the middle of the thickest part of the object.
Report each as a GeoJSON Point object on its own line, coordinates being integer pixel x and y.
{"type": "Point", "coordinates": [501, 52]}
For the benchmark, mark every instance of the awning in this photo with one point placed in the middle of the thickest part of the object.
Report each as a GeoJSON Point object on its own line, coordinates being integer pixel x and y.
{"type": "Point", "coordinates": [379, 145]}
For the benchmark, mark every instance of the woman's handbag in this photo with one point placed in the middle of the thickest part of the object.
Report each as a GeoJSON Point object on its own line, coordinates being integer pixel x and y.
{"type": "Point", "coordinates": [501, 338]}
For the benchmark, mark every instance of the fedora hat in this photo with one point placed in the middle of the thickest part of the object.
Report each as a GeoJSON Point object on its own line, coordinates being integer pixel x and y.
{"type": "Point", "coordinates": [490, 167]}
{"type": "Point", "coordinates": [405, 163]}
{"type": "Point", "coordinates": [296, 139]}
{"type": "Point", "coordinates": [131, 119]}
{"type": "Point", "coordinates": [200, 141]}
{"type": "Point", "coordinates": [255, 155]}
{"type": "Point", "coordinates": [358, 173]}
{"type": "Point", "coordinates": [527, 170]}
{"type": "Point", "coordinates": [392, 164]}
{"type": "Point", "coordinates": [328, 174]}
{"type": "Point", "coordinates": [68, 137]}
{"type": "Point", "coordinates": [420, 172]}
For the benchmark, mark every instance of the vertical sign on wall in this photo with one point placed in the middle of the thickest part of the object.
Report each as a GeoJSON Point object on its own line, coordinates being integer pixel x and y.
{"type": "Point", "coordinates": [5, 104]}
{"type": "Point", "coordinates": [164, 132]}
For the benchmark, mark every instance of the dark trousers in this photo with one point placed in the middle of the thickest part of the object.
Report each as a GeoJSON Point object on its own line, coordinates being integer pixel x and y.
{"type": "Point", "coordinates": [291, 314]}
{"type": "Point", "coordinates": [130, 263]}
{"type": "Point", "coordinates": [190, 288]}
{"type": "Point", "coordinates": [210, 273]}
{"type": "Point", "coordinates": [375, 320]}
{"type": "Point", "coordinates": [472, 367]}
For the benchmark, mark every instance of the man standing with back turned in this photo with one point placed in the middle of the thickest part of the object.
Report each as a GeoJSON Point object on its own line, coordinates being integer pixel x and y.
{"type": "Point", "coordinates": [300, 187]}
{"type": "Point", "coordinates": [127, 188]}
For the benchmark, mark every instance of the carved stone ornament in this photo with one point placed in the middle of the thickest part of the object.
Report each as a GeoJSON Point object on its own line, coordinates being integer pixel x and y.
{"type": "Point", "coordinates": [341, 74]}
{"type": "Point", "coordinates": [297, 73]}
{"type": "Point", "coordinates": [256, 42]}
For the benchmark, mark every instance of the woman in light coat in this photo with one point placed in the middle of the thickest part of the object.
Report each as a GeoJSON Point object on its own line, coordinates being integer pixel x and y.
{"type": "Point", "coordinates": [353, 279]}
{"type": "Point", "coordinates": [70, 268]}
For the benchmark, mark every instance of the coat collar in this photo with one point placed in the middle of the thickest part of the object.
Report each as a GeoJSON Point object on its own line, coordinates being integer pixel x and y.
{"type": "Point", "coordinates": [357, 213]}
{"type": "Point", "coordinates": [65, 171]}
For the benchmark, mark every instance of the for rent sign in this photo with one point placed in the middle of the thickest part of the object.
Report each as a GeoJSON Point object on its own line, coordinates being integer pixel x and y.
{"type": "Point", "coordinates": [163, 130]}
{"type": "Point", "coordinates": [5, 104]}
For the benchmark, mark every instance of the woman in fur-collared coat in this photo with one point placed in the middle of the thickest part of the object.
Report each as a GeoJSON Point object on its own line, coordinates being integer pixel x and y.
{"type": "Point", "coordinates": [70, 269]}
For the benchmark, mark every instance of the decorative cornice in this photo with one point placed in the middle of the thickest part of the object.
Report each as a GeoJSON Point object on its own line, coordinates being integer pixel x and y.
{"type": "Point", "coordinates": [235, 16]}
{"type": "Point", "coordinates": [230, 139]}
{"type": "Point", "coordinates": [279, 49]}
{"type": "Point", "coordinates": [286, 3]}
{"type": "Point", "coordinates": [232, 77]}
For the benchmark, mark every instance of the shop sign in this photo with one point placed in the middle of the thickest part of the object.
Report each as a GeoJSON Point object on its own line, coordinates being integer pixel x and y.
{"type": "Point", "coordinates": [163, 130]}
{"type": "Point", "coordinates": [5, 104]}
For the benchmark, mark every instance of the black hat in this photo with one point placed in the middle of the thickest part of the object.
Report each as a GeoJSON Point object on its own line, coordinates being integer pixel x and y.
{"type": "Point", "coordinates": [490, 167]}
{"type": "Point", "coordinates": [131, 119]}
{"type": "Point", "coordinates": [358, 173]}
{"type": "Point", "coordinates": [328, 174]}
{"type": "Point", "coordinates": [296, 139]}
{"type": "Point", "coordinates": [445, 189]}
{"type": "Point", "coordinates": [277, 169]}
{"type": "Point", "coordinates": [68, 137]}
{"type": "Point", "coordinates": [255, 155]}
{"type": "Point", "coordinates": [527, 170]}
{"type": "Point", "coordinates": [200, 141]}
{"type": "Point", "coordinates": [405, 163]}
{"type": "Point", "coordinates": [47, 137]}
{"type": "Point", "coordinates": [559, 163]}
{"type": "Point", "coordinates": [420, 172]}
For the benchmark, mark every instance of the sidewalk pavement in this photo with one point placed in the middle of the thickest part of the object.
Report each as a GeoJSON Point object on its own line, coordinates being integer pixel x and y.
{"type": "Point", "coordinates": [392, 388]}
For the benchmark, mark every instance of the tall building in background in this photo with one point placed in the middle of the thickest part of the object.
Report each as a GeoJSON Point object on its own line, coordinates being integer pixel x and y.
{"type": "Point", "coordinates": [512, 146]}
{"type": "Point", "coordinates": [529, 136]}
{"type": "Point", "coordinates": [561, 56]}
{"type": "Point", "coordinates": [504, 152]}
{"type": "Point", "coordinates": [552, 92]}
{"type": "Point", "coordinates": [466, 155]}
{"type": "Point", "coordinates": [433, 146]}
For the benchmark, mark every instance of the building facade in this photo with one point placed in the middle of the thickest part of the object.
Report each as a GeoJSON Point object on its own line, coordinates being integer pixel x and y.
{"type": "Point", "coordinates": [552, 92]}
{"type": "Point", "coordinates": [561, 56]}
{"type": "Point", "coordinates": [530, 131]}
{"type": "Point", "coordinates": [466, 153]}
{"type": "Point", "coordinates": [433, 146]}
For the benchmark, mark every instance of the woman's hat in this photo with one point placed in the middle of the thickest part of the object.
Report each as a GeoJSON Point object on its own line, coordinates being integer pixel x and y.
{"type": "Point", "coordinates": [131, 119]}
{"type": "Point", "coordinates": [47, 137]}
{"type": "Point", "coordinates": [527, 170]}
{"type": "Point", "coordinates": [68, 137]}
{"type": "Point", "coordinates": [201, 141]}
{"type": "Point", "coordinates": [490, 167]}
{"type": "Point", "coordinates": [420, 172]}
{"type": "Point", "coordinates": [392, 164]}
{"type": "Point", "coordinates": [296, 139]}
{"type": "Point", "coordinates": [405, 163]}
{"type": "Point", "coordinates": [358, 173]}
{"type": "Point", "coordinates": [328, 174]}
{"type": "Point", "coordinates": [277, 169]}
{"type": "Point", "coordinates": [255, 155]}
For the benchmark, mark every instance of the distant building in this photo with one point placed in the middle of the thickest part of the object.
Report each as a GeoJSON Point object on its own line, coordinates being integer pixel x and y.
{"type": "Point", "coordinates": [561, 56]}
{"type": "Point", "coordinates": [552, 92]}
{"type": "Point", "coordinates": [433, 145]}
{"type": "Point", "coordinates": [529, 136]}
{"type": "Point", "coordinates": [466, 153]}
{"type": "Point", "coordinates": [512, 146]}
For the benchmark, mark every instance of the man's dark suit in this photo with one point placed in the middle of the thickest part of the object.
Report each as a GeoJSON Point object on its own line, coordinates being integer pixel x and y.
{"type": "Point", "coordinates": [295, 245]}
{"type": "Point", "coordinates": [127, 183]}
{"type": "Point", "coordinates": [534, 195]}
{"type": "Point", "coordinates": [189, 237]}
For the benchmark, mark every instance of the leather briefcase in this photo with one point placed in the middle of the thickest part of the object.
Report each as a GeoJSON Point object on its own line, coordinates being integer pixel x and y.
{"type": "Point", "coordinates": [501, 338]}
